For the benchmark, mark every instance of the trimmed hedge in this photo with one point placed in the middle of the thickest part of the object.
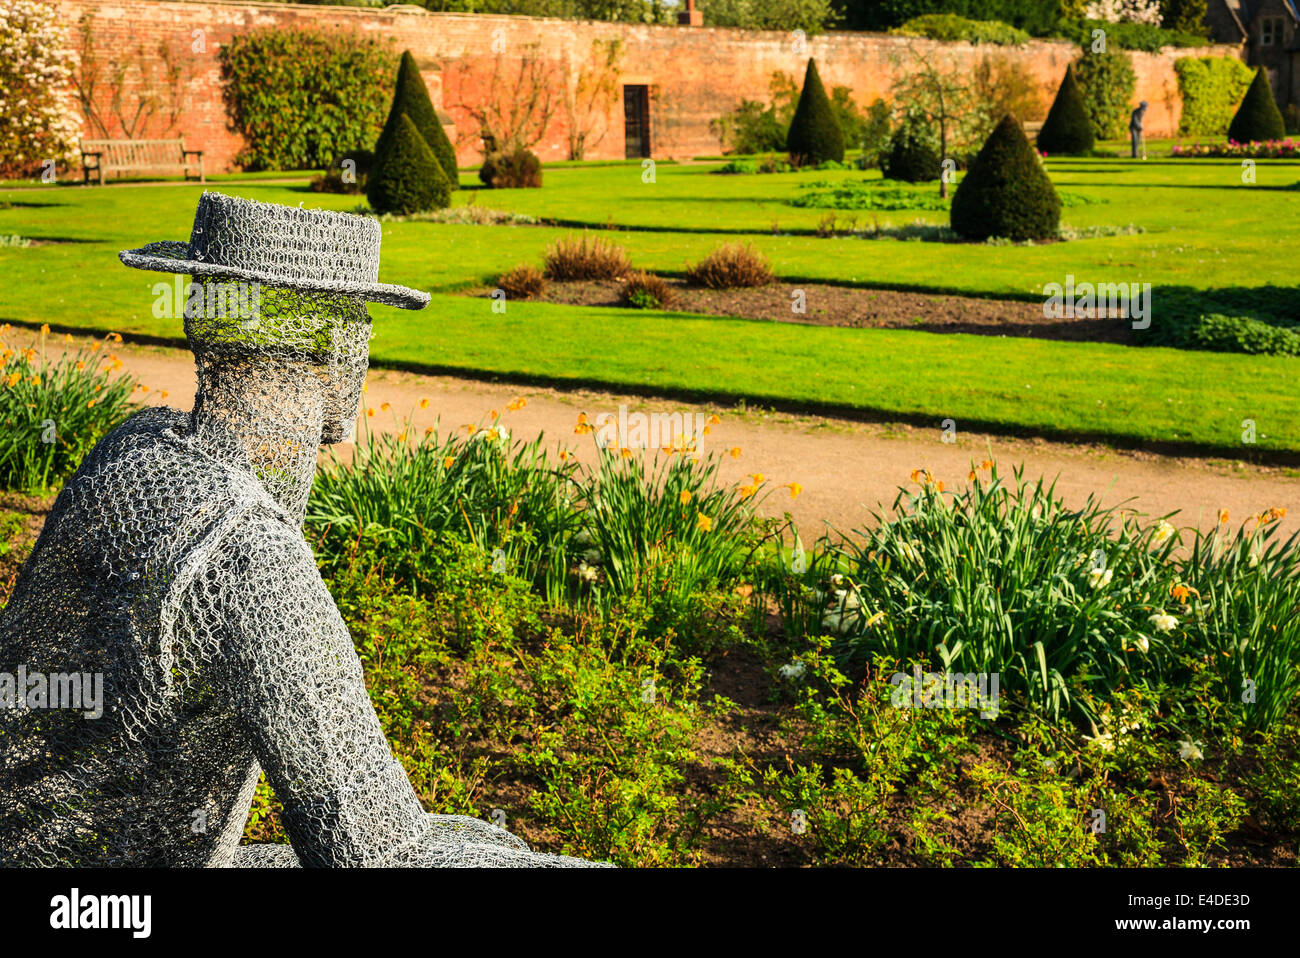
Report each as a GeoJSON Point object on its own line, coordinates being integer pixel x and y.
{"type": "Point", "coordinates": [1210, 88]}
{"type": "Point", "coordinates": [947, 26]}
{"type": "Point", "coordinates": [1129, 36]}
{"type": "Point", "coordinates": [913, 154]}
{"type": "Point", "coordinates": [300, 98]}
{"type": "Point", "coordinates": [1258, 119]}
{"type": "Point", "coordinates": [1068, 128]}
{"type": "Point", "coordinates": [815, 135]}
{"type": "Point", "coordinates": [517, 170]}
{"type": "Point", "coordinates": [407, 179]}
{"type": "Point", "coordinates": [1006, 192]}
{"type": "Point", "coordinates": [411, 96]}
{"type": "Point", "coordinates": [1108, 84]}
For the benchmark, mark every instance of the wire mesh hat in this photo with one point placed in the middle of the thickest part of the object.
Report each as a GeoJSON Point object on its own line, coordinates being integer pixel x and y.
{"type": "Point", "coordinates": [312, 251]}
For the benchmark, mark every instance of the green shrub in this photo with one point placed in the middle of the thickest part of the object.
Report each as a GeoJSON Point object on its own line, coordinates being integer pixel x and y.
{"type": "Point", "coordinates": [867, 195]}
{"type": "Point", "coordinates": [1067, 129]}
{"type": "Point", "coordinates": [508, 171]}
{"type": "Point", "coordinates": [53, 411]}
{"type": "Point", "coordinates": [946, 26]}
{"type": "Point", "coordinates": [913, 155]}
{"type": "Point", "coordinates": [1006, 192]}
{"type": "Point", "coordinates": [1257, 320]}
{"type": "Point", "coordinates": [410, 96]}
{"type": "Point", "coordinates": [1257, 119]}
{"type": "Point", "coordinates": [407, 178]}
{"type": "Point", "coordinates": [1184, 16]}
{"type": "Point", "coordinates": [1108, 82]}
{"type": "Point", "coordinates": [1243, 334]}
{"type": "Point", "coordinates": [1128, 36]}
{"type": "Point", "coordinates": [300, 98]}
{"type": "Point", "coordinates": [815, 134]}
{"type": "Point", "coordinates": [751, 128]}
{"type": "Point", "coordinates": [1210, 88]}
{"type": "Point", "coordinates": [644, 290]}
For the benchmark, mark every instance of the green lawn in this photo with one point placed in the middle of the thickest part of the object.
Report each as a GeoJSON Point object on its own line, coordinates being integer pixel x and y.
{"type": "Point", "coordinates": [1205, 229]}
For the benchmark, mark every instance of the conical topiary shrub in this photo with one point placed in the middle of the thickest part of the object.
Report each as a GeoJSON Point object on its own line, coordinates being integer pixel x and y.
{"type": "Point", "coordinates": [412, 98]}
{"type": "Point", "coordinates": [1067, 128]}
{"type": "Point", "coordinates": [1006, 191]}
{"type": "Point", "coordinates": [815, 135]}
{"type": "Point", "coordinates": [1258, 117]}
{"type": "Point", "coordinates": [407, 178]}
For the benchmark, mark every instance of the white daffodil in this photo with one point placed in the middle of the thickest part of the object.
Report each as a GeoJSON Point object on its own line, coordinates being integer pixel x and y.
{"type": "Point", "coordinates": [794, 670]}
{"type": "Point", "coordinates": [593, 556]}
{"type": "Point", "coordinates": [1163, 532]}
{"type": "Point", "coordinates": [587, 573]}
{"type": "Point", "coordinates": [1190, 751]}
{"type": "Point", "coordinates": [1143, 643]}
{"type": "Point", "coordinates": [1103, 741]}
{"type": "Point", "coordinates": [1254, 558]}
{"type": "Point", "coordinates": [909, 552]}
{"type": "Point", "coordinates": [837, 580]}
{"type": "Point", "coordinates": [1099, 578]}
{"type": "Point", "coordinates": [1163, 621]}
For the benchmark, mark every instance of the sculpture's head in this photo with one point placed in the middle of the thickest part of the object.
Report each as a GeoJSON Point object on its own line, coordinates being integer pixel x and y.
{"type": "Point", "coordinates": [282, 355]}
{"type": "Point", "coordinates": [278, 303]}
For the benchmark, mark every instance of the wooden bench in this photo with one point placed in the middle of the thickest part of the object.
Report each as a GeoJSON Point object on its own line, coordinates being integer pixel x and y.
{"type": "Point", "coordinates": [117, 156]}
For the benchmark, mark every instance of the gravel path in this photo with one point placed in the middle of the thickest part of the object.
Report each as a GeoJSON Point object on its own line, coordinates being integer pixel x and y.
{"type": "Point", "coordinates": [845, 468]}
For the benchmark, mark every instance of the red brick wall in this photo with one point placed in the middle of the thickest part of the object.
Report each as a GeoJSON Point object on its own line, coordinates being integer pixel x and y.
{"type": "Point", "coordinates": [696, 73]}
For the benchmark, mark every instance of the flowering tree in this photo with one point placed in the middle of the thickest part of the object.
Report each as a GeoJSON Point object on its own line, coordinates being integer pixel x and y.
{"type": "Point", "coordinates": [1127, 11]}
{"type": "Point", "coordinates": [38, 116]}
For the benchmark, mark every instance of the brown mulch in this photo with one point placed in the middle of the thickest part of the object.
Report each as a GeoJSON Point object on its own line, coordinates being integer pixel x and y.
{"type": "Point", "coordinates": [15, 548]}
{"type": "Point", "coordinates": [860, 308]}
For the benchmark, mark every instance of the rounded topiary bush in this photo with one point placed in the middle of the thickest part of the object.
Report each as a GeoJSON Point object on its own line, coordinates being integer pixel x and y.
{"type": "Point", "coordinates": [412, 98]}
{"type": "Point", "coordinates": [1258, 117]}
{"type": "Point", "coordinates": [516, 170]}
{"type": "Point", "coordinates": [1006, 191]}
{"type": "Point", "coordinates": [815, 135]}
{"type": "Point", "coordinates": [407, 178]}
{"type": "Point", "coordinates": [913, 154]}
{"type": "Point", "coordinates": [1068, 128]}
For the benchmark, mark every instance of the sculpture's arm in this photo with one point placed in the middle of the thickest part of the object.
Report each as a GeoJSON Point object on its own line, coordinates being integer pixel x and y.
{"type": "Point", "coordinates": [283, 658]}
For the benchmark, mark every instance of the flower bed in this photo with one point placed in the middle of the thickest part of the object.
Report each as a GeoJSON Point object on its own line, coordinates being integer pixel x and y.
{"type": "Point", "coordinates": [1287, 149]}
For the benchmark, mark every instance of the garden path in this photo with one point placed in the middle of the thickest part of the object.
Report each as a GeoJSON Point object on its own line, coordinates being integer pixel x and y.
{"type": "Point", "coordinates": [843, 467]}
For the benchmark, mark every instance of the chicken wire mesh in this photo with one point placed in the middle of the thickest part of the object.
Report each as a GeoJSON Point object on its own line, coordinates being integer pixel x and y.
{"type": "Point", "coordinates": [173, 564]}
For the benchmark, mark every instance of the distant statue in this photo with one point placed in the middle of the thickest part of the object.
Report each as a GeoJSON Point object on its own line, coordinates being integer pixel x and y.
{"type": "Point", "coordinates": [172, 575]}
{"type": "Point", "coordinates": [1135, 130]}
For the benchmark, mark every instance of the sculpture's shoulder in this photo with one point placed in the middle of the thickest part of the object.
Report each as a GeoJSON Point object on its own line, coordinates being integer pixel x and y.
{"type": "Point", "coordinates": [147, 492]}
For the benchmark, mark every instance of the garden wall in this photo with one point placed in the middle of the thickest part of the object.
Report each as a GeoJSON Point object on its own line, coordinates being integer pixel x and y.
{"type": "Point", "coordinates": [694, 74]}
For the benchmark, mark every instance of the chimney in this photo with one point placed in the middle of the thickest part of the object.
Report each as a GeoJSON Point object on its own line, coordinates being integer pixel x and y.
{"type": "Point", "coordinates": [690, 17]}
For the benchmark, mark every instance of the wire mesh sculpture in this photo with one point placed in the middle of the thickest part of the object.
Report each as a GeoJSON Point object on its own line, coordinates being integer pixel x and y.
{"type": "Point", "coordinates": [174, 565]}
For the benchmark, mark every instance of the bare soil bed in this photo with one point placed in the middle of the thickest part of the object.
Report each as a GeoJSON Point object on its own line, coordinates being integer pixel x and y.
{"type": "Point", "coordinates": [860, 308]}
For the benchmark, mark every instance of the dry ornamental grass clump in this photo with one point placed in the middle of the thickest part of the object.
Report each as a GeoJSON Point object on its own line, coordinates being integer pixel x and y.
{"type": "Point", "coordinates": [523, 282]}
{"type": "Point", "coordinates": [590, 257]}
{"type": "Point", "coordinates": [646, 291]}
{"type": "Point", "coordinates": [729, 266]}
